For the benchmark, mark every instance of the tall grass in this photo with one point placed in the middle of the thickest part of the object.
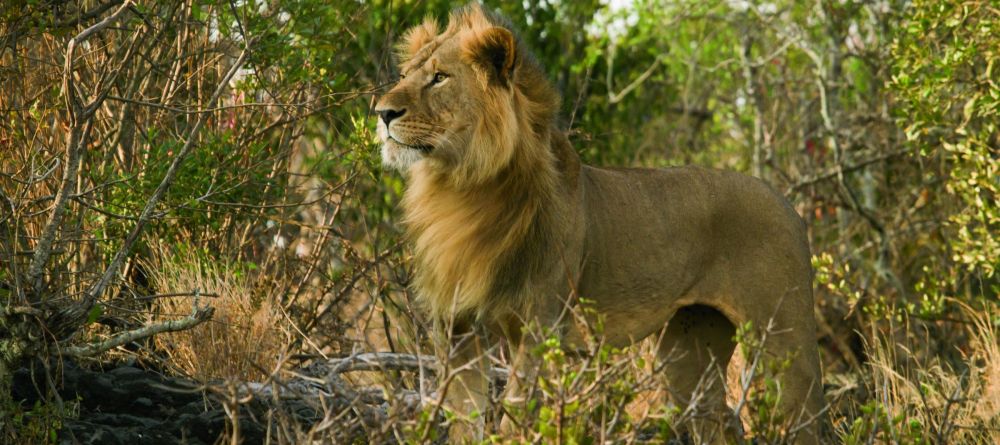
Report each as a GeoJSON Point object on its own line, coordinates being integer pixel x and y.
{"type": "Point", "coordinates": [912, 395]}
{"type": "Point", "coordinates": [242, 341]}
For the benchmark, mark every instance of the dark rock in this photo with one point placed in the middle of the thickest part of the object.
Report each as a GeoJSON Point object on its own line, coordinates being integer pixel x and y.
{"type": "Point", "coordinates": [125, 373]}
{"type": "Point", "coordinates": [92, 435]}
{"type": "Point", "coordinates": [129, 405]}
{"type": "Point", "coordinates": [124, 420]}
{"type": "Point", "coordinates": [143, 406]}
{"type": "Point", "coordinates": [24, 388]}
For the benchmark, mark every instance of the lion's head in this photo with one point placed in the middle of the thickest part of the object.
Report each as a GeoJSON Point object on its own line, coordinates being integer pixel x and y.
{"type": "Point", "coordinates": [470, 122]}
{"type": "Point", "coordinates": [467, 97]}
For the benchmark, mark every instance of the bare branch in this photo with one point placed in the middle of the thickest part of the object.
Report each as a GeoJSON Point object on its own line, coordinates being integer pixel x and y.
{"type": "Point", "coordinates": [614, 97]}
{"type": "Point", "coordinates": [76, 140]}
{"type": "Point", "coordinates": [382, 361]}
{"type": "Point", "coordinates": [69, 88]}
{"type": "Point", "coordinates": [840, 169]}
{"type": "Point", "coordinates": [198, 316]}
{"type": "Point", "coordinates": [88, 15]}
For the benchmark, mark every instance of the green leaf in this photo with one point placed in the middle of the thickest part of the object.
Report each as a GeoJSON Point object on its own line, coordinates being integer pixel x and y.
{"type": "Point", "coordinates": [95, 313]}
{"type": "Point", "coordinates": [969, 109]}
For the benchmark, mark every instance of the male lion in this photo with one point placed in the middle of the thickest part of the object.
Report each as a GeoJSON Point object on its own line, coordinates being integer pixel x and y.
{"type": "Point", "coordinates": [507, 224]}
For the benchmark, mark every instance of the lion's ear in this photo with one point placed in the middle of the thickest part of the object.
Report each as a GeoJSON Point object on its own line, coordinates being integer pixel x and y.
{"type": "Point", "coordinates": [495, 52]}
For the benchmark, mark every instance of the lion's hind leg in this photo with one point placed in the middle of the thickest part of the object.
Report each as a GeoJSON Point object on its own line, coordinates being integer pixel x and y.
{"type": "Point", "coordinates": [801, 384]}
{"type": "Point", "coordinates": [695, 350]}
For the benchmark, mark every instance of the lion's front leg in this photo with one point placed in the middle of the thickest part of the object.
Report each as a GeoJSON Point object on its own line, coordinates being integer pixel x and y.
{"type": "Point", "coordinates": [466, 384]}
{"type": "Point", "coordinates": [521, 379]}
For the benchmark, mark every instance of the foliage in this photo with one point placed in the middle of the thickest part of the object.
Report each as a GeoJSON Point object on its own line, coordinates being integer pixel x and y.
{"type": "Point", "coordinates": [878, 120]}
{"type": "Point", "coordinates": [38, 425]}
{"type": "Point", "coordinates": [947, 84]}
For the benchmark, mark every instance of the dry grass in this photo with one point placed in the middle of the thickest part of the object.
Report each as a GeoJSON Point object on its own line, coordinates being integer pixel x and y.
{"type": "Point", "coordinates": [914, 395]}
{"type": "Point", "coordinates": [241, 342]}
{"type": "Point", "coordinates": [986, 357]}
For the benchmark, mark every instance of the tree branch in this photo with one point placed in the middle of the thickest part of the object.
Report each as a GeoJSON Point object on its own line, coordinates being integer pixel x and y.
{"type": "Point", "coordinates": [198, 316]}
{"type": "Point", "coordinates": [76, 140]}
{"type": "Point", "coordinates": [381, 361]}
{"type": "Point", "coordinates": [839, 170]}
{"type": "Point", "coordinates": [617, 97]}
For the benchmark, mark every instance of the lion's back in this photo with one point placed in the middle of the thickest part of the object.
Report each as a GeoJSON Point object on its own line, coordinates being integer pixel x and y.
{"type": "Point", "coordinates": [657, 213]}
{"type": "Point", "coordinates": [706, 195]}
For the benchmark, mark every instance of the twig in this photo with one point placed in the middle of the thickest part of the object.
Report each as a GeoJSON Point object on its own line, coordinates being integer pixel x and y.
{"type": "Point", "coordinates": [188, 109]}
{"type": "Point", "coordinates": [193, 293]}
{"type": "Point", "coordinates": [944, 431]}
{"type": "Point", "coordinates": [198, 316]}
{"type": "Point", "coordinates": [85, 16]}
{"type": "Point", "coordinates": [613, 97]}
{"type": "Point", "coordinates": [378, 361]}
{"type": "Point", "coordinates": [840, 169]}
{"type": "Point", "coordinates": [395, 361]}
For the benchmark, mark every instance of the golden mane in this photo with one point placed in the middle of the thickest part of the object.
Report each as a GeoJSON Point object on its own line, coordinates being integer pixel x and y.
{"type": "Point", "coordinates": [472, 225]}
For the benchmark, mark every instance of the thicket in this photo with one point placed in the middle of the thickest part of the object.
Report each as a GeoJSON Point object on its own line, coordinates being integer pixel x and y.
{"type": "Point", "coordinates": [211, 165]}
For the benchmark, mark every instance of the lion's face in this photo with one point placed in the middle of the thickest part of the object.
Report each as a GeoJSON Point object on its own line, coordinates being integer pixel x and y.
{"type": "Point", "coordinates": [452, 109]}
{"type": "Point", "coordinates": [430, 112]}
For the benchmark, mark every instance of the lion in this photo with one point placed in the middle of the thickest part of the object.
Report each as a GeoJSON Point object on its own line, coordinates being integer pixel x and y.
{"type": "Point", "coordinates": [507, 224]}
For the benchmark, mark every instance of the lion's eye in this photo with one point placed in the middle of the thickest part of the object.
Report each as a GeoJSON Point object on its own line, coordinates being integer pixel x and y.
{"type": "Point", "coordinates": [439, 77]}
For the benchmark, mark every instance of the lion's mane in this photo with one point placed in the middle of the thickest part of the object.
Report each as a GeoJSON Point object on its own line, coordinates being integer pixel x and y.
{"type": "Point", "coordinates": [479, 230]}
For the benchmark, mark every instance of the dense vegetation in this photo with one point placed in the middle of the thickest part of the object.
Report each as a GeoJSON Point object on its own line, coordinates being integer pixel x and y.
{"type": "Point", "coordinates": [161, 156]}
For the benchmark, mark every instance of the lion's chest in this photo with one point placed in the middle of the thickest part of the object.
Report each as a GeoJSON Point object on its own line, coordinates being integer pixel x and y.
{"type": "Point", "coordinates": [463, 252]}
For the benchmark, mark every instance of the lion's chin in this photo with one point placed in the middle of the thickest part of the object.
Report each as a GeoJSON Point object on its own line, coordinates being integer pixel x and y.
{"type": "Point", "coordinates": [399, 157]}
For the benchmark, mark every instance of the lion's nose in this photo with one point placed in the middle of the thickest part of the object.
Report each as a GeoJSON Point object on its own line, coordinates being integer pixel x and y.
{"type": "Point", "coordinates": [389, 114]}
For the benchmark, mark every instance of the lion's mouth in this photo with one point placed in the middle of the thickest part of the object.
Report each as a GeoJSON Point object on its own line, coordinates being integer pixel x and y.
{"type": "Point", "coordinates": [421, 147]}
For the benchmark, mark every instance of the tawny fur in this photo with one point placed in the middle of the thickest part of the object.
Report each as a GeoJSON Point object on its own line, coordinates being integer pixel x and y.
{"type": "Point", "coordinates": [507, 226]}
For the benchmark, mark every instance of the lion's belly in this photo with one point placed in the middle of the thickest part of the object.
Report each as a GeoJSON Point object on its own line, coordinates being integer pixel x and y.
{"type": "Point", "coordinates": [637, 264]}
{"type": "Point", "coordinates": [632, 304]}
